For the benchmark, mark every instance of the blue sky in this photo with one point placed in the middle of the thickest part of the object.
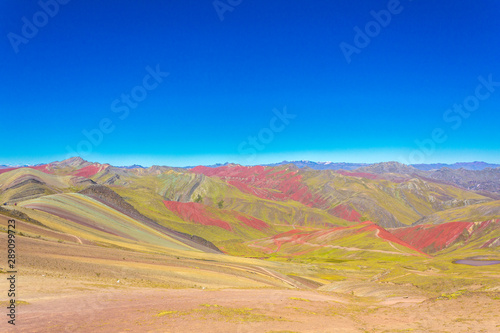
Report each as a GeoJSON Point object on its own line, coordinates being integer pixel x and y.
{"type": "Point", "coordinates": [230, 81]}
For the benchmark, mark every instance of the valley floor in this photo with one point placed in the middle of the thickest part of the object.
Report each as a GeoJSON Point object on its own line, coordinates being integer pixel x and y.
{"type": "Point", "coordinates": [88, 308]}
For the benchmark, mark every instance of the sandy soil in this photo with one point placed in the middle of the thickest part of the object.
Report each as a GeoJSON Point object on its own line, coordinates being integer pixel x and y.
{"type": "Point", "coordinates": [260, 310]}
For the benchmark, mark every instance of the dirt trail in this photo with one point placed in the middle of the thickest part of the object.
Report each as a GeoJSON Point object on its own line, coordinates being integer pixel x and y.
{"type": "Point", "coordinates": [335, 247]}
{"type": "Point", "coordinates": [77, 238]}
{"type": "Point", "coordinates": [390, 243]}
{"type": "Point", "coordinates": [295, 285]}
{"type": "Point", "coordinates": [264, 272]}
{"type": "Point", "coordinates": [24, 227]}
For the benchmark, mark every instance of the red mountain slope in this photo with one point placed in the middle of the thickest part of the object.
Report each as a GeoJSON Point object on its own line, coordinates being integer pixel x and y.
{"type": "Point", "coordinates": [199, 213]}
{"type": "Point", "coordinates": [195, 212]}
{"type": "Point", "coordinates": [432, 238]}
{"type": "Point", "coordinates": [384, 234]}
{"type": "Point", "coordinates": [7, 170]}
{"type": "Point", "coordinates": [299, 242]}
{"type": "Point", "coordinates": [265, 182]}
{"type": "Point", "coordinates": [346, 212]}
{"type": "Point", "coordinates": [44, 168]}
{"type": "Point", "coordinates": [90, 170]}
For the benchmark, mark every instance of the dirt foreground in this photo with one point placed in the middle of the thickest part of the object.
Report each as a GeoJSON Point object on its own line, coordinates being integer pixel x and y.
{"type": "Point", "coordinates": [121, 309]}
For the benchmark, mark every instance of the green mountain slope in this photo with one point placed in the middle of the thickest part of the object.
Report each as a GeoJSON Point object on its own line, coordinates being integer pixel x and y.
{"type": "Point", "coordinates": [91, 220]}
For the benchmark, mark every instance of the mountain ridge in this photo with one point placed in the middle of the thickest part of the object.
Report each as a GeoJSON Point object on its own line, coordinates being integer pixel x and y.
{"type": "Point", "coordinates": [317, 165]}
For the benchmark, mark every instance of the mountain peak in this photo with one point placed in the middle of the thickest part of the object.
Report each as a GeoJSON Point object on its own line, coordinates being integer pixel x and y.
{"type": "Point", "coordinates": [388, 167]}
{"type": "Point", "coordinates": [73, 161]}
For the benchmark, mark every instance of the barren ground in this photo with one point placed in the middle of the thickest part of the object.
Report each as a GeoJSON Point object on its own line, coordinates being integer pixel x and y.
{"type": "Point", "coordinates": [65, 286]}
{"type": "Point", "coordinates": [99, 309]}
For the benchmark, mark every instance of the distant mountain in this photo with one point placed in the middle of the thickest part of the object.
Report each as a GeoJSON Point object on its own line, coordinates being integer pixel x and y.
{"type": "Point", "coordinates": [72, 162]}
{"type": "Point", "coordinates": [476, 180]}
{"type": "Point", "coordinates": [385, 167]}
{"type": "Point", "coordinates": [10, 166]}
{"type": "Point", "coordinates": [485, 181]}
{"type": "Point", "coordinates": [470, 213]}
{"type": "Point", "coordinates": [388, 167]}
{"type": "Point", "coordinates": [321, 165]}
{"type": "Point", "coordinates": [458, 165]}
{"type": "Point", "coordinates": [382, 167]}
{"type": "Point", "coordinates": [216, 165]}
{"type": "Point", "coordinates": [134, 166]}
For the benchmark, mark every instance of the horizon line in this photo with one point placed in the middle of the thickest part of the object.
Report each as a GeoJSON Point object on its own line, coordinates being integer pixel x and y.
{"type": "Point", "coordinates": [193, 165]}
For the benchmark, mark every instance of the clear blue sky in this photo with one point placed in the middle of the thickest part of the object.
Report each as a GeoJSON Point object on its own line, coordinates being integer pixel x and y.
{"type": "Point", "coordinates": [227, 76]}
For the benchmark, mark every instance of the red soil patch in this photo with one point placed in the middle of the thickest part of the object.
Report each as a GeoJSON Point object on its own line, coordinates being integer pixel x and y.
{"type": "Point", "coordinates": [319, 237]}
{"type": "Point", "coordinates": [386, 235]}
{"type": "Point", "coordinates": [488, 243]}
{"type": "Point", "coordinates": [195, 212]}
{"type": "Point", "coordinates": [430, 237]}
{"type": "Point", "coordinates": [298, 236]}
{"type": "Point", "coordinates": [253, 222]}
{"type": "Point", "coordinates": [346, 212]}
{"type": "Point", "coordinates": [44, 168]}
{"type": "Point", "coordinates": [265, 183]}
{"type": "Point", "coordinates": [7, 170]}
{"type": "Point", "coordinates": [199, 213]}
{"type": "Point", "coordinates": [89, 170]}
{"type": "Point", "coordinates": [289, 237]}
{"type": "Point", "coordinates": [288, 233]}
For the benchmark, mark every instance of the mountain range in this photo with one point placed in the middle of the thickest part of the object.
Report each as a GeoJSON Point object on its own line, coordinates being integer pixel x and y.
{"type": "Point", "coordinates": [228, 207]}
{"type": "Point", "coordinates": [332, 165]}
{"type": "Point", "coordinates": [353, 166]}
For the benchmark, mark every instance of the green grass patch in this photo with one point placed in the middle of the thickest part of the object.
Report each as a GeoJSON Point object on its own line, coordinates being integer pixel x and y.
{"type": "Point", "coordinates": [166, 313]}
{"type": "Point", "coordinates": [299, 299]}
{"type": "Point", "coordinates": [454, 295]}
{"type": "Point", "coordinates": [5, 303]}
{"type": "Point", "coordinates": [219, 312]}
